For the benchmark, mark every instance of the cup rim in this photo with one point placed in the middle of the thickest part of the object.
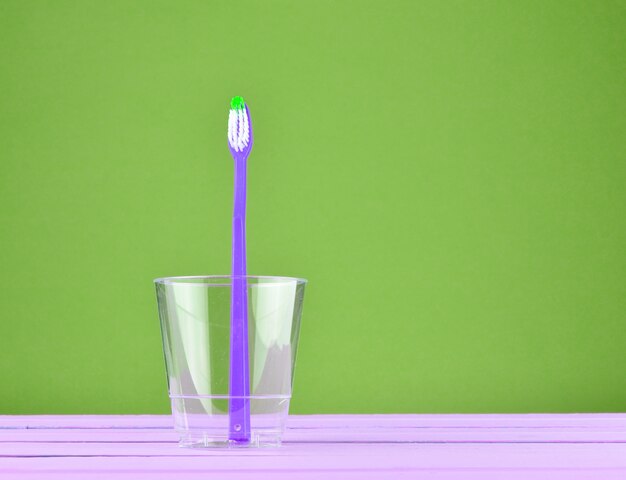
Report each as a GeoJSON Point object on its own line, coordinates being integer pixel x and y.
{"type": "Point", "coordinates": [182, 280]}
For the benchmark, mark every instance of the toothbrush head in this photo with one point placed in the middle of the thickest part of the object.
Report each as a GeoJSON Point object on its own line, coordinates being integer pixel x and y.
{"type": "Point", "coordinates": [239, 127]}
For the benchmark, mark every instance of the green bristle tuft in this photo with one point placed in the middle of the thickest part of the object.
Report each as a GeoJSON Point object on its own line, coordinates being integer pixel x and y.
{"type": "Point", "coordinates": [237, 103]}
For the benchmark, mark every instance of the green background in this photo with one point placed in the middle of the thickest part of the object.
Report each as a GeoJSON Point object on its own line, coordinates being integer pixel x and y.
{"type": "Point", "coordinates": [449, 175]}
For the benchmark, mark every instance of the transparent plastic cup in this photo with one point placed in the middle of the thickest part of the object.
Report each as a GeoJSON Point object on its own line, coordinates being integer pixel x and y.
{"type": "Point", "coordinates": [195, 326]}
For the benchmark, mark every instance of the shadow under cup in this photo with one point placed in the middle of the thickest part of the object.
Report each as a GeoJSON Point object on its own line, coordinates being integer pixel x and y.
{"type": "Point", "coordinates": [196, 331]}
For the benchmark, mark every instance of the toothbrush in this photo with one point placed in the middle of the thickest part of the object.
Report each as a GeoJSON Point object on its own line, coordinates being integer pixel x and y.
{"type": "Point", "coordinates": [240, 144]}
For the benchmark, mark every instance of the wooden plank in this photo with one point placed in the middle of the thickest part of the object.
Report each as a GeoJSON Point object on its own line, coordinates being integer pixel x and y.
{"type": "Point", "coordinates": [332, 421]}
{"type": "Point", "coordinates": [85, 421]}
{"type": "Point", "coordinates": [379, 435]}
{"type": "Point", "coordinates": [113, 449]}
{"type": "Point", "coordinates": [336, 428]}
{"type": "Point", "coordinates": [377, 461]}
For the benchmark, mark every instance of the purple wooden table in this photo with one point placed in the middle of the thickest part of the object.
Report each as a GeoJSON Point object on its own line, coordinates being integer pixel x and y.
{"type": "Point", "coordinates": [323, 446]}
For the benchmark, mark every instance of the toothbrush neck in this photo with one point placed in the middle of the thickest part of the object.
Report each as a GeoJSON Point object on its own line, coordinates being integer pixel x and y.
{"type": "Point", "coordinates": [240, 186]}
{"type": "Point", "coordinates": [239, 218]}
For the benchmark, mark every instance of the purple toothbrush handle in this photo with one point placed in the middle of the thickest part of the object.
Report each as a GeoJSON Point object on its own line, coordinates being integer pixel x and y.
{"type": "Point", "coordinates": [239, 406]}
{"type": "Point", "coordinates": [239, 391]}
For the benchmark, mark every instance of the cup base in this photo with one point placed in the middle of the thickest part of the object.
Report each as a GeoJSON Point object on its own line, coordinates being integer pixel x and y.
{"type": "Point", "coordinates": [203, 421]}
{"type": "Point", "coordinates": [210, 440]}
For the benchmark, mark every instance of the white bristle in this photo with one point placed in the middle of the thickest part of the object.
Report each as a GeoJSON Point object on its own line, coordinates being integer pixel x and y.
{"type": "Point", "coordinates": [232, 126]}
{"type": "Point", "coordinates": [238, 130]}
